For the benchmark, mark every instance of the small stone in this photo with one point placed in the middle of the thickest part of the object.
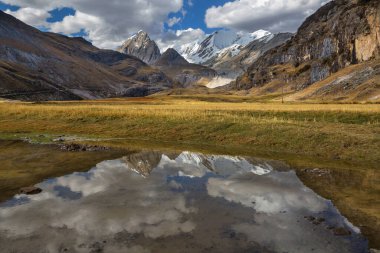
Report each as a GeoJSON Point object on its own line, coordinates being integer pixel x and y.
{"type": "Point", "coordinates": [321, 219]}
{"type": "Point", "coordinates": [32, 190]}
{"type": "Point", "coordinates": [341, 231]}
{"type": "Point", "coordinates": [309, 218]}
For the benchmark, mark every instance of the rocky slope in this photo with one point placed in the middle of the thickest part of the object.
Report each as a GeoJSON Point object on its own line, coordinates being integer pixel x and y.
{"type": "Point", "coordinates": [45, 66]}
{"type": "Point", "coordinates": [341, 33]}
{"type": "Point", "coordinates": [180, 70]}
{"type": "Point", "coordinates": [141, 46]}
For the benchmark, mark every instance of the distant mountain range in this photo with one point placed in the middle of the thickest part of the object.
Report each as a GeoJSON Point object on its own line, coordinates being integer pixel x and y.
{"type": "Point", "coordinates": [228, 53]}
{"type": "Point", "coordinates": [231, 53]}
{"type": "Point", "coordinates": [218, 43]}
{"type": "Point", "coordinates": [335, 54]}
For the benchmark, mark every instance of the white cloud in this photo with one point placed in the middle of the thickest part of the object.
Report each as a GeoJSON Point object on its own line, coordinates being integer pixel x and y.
{"type": "Point", "coordinates": [73, 24]}
{"type": "Point", "coordinates": [252, 15]}
{"type": "Point", "coordinates": [176, 39]}
{"type": "Point", "coordinates": [174, 20]}
{"type": "Point", "coordinates": [107, 22]}
{"type": "Point", "coordinates": [31, 16]}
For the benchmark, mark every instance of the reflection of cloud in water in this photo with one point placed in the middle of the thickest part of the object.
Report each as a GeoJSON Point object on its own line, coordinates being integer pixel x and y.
{"type": "Point", "coordinates": [275, 192]}
{"type": "Point", "coordinates": [144, 195]}
{"type": "Point", "coordinates": [281, 201]}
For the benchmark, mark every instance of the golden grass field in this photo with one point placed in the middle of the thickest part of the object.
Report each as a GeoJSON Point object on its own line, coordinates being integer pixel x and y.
{"type": "Point", "coordinates": [341, 132]}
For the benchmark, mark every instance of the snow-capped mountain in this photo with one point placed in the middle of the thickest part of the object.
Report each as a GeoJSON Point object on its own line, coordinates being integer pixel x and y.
{"type": "Point", "coordinates": [223, 41]}
{"type": "Point", "coordinates": [234, 60]}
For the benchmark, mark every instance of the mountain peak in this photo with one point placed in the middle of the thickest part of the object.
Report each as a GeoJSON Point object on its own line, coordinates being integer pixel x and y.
{"type": "Point", "coordinates": [171, 57]}
{"type": "Point", "coordinates": [142, 34]}
{"type": "Point", "coordinates": [141, 46]}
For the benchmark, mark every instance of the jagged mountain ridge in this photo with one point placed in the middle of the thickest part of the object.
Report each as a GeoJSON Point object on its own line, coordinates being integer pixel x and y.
{"type": "Point", "coordinates": [37, 65]}
{"type": "Point", "coordinates": [341, 33]}
{"type": "Point", "coordinates": [218, 42]}
{"type": "Point", "coordinates": [141, 46]}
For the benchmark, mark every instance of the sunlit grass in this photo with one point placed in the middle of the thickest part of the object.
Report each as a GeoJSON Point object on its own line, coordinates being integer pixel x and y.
{"type": "Point", "coordinates": [341, 131]}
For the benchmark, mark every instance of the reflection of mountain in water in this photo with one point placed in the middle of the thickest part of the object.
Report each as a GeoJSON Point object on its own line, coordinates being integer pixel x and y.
{"type": "Point", "coordinates": [195, 164]}
{"type": "Point", "coordinates": [143, 163]}
{"type": "Point", "coordinates": [148, 202]}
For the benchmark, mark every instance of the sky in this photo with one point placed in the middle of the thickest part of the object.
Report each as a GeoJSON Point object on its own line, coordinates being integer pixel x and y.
{"type": "Point", "coordinates": [107, 23]}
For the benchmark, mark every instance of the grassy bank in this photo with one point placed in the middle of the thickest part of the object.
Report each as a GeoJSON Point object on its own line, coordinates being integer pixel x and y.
{"type": "Point", "coordinates": [347, 132]}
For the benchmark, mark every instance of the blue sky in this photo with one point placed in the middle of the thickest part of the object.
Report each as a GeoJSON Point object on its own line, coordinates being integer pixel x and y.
{"type": "Point", "coordinates": [4, 7]}
{"type": "Point", "coordinates": [195, 14]}
{"type": "Point", "coordinates": [108, 23]}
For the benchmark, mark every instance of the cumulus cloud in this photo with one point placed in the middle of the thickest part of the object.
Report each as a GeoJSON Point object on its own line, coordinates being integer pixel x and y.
{"type": "Point", "coordinates": [107, 23]}
{"type": "Point", "coordinates": [31, 16]}
{"type": "Point", "coordinates": [252, 15]}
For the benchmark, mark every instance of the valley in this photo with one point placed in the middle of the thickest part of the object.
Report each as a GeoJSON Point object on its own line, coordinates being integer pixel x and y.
{"type": "Point", "coordinates": [135, 126]}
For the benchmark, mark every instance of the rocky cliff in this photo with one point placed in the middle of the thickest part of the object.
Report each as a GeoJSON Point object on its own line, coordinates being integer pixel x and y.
{"type": "Point", "coordinates": [341, 33]}
{"type": "Point", "coordinates": [141, 46]}
{"type": "Point", "coordinates": [35, 65]}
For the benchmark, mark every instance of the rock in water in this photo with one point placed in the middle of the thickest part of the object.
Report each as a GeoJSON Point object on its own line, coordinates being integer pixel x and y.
{"type": "Point", "coordinates": [31, 190]}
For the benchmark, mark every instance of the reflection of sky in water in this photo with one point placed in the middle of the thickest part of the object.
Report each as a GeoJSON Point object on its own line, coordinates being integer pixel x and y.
{"type": "Point", "coordinates": [142, 202]}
